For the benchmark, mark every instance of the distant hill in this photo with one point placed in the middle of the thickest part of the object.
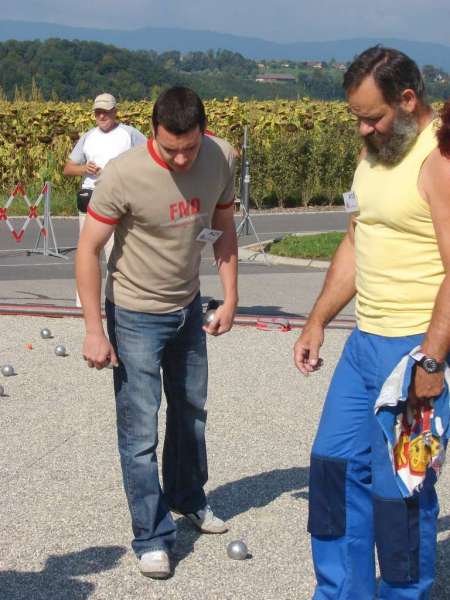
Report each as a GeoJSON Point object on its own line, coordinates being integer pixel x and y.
{"type": "Point", "coordinates": [164, 39]}
{"type": "Point", "coordinates": [80, 69]}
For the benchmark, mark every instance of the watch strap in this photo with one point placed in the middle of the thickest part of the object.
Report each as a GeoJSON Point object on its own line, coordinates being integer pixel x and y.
{"type": "Point", "coordinates": [419, 357]}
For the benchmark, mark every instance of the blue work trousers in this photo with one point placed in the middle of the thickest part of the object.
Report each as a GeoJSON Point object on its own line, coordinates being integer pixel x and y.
{"type": "Point", "coordinates": [355, 504]}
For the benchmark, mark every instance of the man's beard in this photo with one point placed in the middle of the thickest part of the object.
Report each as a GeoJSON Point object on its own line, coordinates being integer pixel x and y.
{"type": "Point", "coordinates": [389, 149]}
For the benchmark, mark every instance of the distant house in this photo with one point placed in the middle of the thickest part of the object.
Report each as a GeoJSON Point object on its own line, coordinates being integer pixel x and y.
{"type": "Point", "coordinates": [271, 77]}
{"type": "Point", "coordinates": [313, 64]}
{"type": "Point", "coordinates": [340, 66]}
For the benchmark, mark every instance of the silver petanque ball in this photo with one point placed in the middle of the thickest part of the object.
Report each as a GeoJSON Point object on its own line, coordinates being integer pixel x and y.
{"type": "Point", "coordinates": [60, 350]}
{"type": "Point", "coordinates": [7, 370]}
{"type": "Point", "coordinates": [208, 317]}
{"type": "Point", "coordinates": [237, 550]}
{"type": "Point", "coordinates": [46, 333]}
{"type": "Point", "coordinates": [210, 311]}
{"type": "Point", "coordinates": [2, 391]}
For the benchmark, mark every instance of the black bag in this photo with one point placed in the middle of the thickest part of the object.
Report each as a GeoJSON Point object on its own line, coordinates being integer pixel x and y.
{"type": "Point", "coordinates": [83, 197]}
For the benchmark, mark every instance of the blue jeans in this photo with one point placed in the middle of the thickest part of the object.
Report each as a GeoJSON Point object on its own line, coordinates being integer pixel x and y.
{"type": "Point", "coordinates": [354, 500]}
{"type": "Point", "coordinates": [147, 343]}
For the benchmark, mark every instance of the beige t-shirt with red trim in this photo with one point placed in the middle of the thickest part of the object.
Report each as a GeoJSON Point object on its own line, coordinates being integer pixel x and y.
{"type": "Point", "coordinates": [158, 213]}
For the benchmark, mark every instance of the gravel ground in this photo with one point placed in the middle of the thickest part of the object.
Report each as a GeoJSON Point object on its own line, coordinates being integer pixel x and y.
{"type": "Point", "coordinates": [65, 527]}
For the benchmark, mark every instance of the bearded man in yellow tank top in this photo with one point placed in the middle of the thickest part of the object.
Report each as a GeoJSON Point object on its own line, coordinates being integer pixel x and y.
{"type": "Point", "coordinates": [395, 260]}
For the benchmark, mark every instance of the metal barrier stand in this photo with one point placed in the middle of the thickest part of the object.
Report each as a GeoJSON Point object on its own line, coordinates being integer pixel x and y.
{"type": "Point", "coordinates": [244, 193]}
{"type": "Point", "coordinates": [47, 230]}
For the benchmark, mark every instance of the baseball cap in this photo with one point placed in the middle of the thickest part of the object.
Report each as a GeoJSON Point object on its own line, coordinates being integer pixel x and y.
{"type": "Point", "coordinates": [105, 101]}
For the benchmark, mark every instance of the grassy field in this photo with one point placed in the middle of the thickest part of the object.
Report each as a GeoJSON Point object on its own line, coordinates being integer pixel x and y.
{"type": "Point", "coordinates": [322, 245]}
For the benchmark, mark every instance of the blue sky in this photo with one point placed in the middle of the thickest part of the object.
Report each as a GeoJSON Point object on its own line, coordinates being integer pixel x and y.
{"type": "Point", "coordinates": [277, 20]}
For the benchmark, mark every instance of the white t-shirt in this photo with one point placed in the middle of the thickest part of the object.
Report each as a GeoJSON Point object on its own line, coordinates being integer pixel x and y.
{"type": "Point", "coordinates": [99, 147]}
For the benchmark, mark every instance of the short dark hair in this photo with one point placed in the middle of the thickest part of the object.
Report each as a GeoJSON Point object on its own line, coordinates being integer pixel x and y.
{"type": "Point", "coordinates": [179, 110]}
{"type": "Point", "coordinates": [392, 70]}
{"type": "Point", "coordinates": [443, 133]}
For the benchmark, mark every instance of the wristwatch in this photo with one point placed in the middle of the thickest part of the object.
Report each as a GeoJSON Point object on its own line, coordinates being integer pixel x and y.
{"type": "Point", "coordinates": [428, 363]}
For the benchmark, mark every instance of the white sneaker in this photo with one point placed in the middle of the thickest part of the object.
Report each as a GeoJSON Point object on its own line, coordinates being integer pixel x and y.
{"type": "Point", "coordinates": [206, 521]}
{"type": "Point", "coordinates": [155, 564]}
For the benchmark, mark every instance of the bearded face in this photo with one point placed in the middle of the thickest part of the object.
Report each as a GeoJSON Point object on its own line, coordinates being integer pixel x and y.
{"type": "Point", "coordinates": [390, 147]}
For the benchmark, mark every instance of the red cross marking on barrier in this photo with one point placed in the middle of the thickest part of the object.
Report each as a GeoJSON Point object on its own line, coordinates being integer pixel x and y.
{"type": "Point", "coordinates": [18, 190]}
{"type": "Point", "coordinates": [18, 236]}
{"type": "Point", "coordinates": [3, 214]}
{"type": "Point", "coordinates": [32, 212]}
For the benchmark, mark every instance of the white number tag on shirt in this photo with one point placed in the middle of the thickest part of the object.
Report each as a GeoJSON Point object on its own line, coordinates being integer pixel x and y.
{"type": "Point", "coordinates": [350, 201]}
{"type": "Point", "coordinates": [209, 235]}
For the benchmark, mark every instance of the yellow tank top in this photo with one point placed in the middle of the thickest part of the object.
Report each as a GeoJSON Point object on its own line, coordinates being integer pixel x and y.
{"type": "Point", "coordinates": [398, 265]}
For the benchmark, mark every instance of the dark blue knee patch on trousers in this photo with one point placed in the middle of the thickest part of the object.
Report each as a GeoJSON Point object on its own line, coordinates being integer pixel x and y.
{"type": "Point", "coordinates": [354, 501]}
{"type": "Point", "coordinates": [327, 513]}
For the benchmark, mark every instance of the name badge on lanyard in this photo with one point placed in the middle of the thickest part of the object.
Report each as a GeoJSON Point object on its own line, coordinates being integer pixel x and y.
{"type": "Point", "coordinates": [350, 201]}
{"type": "Point", "coordinates": [209, 235]}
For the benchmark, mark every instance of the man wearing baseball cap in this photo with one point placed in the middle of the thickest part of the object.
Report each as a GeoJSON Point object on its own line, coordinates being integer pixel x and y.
{"type": "Point", "coordinates": [95, 148]}
{"type": "Point", "coordinates": [105, 102]}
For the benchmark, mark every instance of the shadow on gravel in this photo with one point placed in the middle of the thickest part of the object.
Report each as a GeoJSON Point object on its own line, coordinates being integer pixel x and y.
{"type": "Point", "coordinates": [58, 579]}
{"type": "Point", "coordinates": [273, 311]}
{"type": "Point", "coordinates": [237, 497]}
{"type": "Point", "coordinates": [441, 589]}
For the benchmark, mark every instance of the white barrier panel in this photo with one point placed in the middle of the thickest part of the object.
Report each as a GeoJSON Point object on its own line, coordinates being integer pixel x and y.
{"type": "Point", "coordinates": [44, 228]}
{"type": "Point", "coordinates": [32, 212]}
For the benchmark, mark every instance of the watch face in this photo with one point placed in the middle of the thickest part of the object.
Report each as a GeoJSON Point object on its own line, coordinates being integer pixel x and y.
{"type": "Point", "coordinates": [430, 365]}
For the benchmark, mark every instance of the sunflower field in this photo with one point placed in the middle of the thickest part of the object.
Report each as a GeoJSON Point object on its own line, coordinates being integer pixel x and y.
{"type": "Point", "coordinates": [301, 152]}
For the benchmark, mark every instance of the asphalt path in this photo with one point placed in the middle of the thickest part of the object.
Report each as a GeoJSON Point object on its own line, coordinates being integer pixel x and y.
{"type": "Point", "coordinates": [264, 289]}
{"type": "Point", "coordinates": [17, 264]}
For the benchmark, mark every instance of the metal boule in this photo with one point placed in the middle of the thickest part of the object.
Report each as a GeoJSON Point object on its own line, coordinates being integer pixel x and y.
{"type": "Point", "coordinates": [7, 370]}
{"type": "Point", "coordinates": [210, 311]}
{"type": "Point", "coordinates": [60, 350]}
{"type": "Point", "coordinates": [46, 333]}
{"type": "Point", "coordinates": [237, 550]}
{"type": "Point", "coordinates": [209, 316]}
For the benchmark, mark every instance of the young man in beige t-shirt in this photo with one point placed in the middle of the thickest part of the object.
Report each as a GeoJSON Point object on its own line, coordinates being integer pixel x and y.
{"type": "Point", "coordinates": [162, 201]}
